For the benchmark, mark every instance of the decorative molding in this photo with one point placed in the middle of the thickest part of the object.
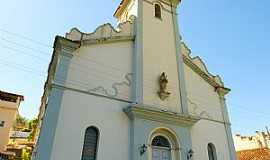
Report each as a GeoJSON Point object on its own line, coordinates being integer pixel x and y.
{"type": "Point", "coordinates": [171, 3]}
{"type": "Point", "coordinates": [222, 91]}
{"type": "Point", "coordinates": [123, 4]}
{"type": "Point", "coordinates": [104, 32]}
{"type": "Point", "coordinates": [65, 46]}
{"type": "Point", "coordinates": [156, 114]}
{"type": "Point", "coordinates": [101, 89]}
{"type": "Point", "coordinates": [108, 40]}
{"type": "Point", "coordinates": [197, 65]}
{"type": "Point", "coordinates": [60, 86]}
{"type": "Point", "coordinates": [162, 3]}
{"type": "Point", "coordinates": [202, 114]}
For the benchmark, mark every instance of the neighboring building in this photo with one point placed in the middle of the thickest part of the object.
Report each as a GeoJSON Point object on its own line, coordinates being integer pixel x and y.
{"type": "Point", "coordinates": [9, 104]}
{"type": "Point", "coordinates": [20, 143]}
{"type": "Point", "coordinates": [132, 93]}
{"type": "Point", "coordinates": [19, 137]}
{"type": "Point", "coordinates": [259, 140]}
{"type": "Point", "coordinates": [254, 154]}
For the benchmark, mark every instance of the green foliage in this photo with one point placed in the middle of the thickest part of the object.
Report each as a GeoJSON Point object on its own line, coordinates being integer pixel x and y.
{"type": "Point", "coordinates": [20, 123]}
{"type": "Point", "coordinates": [32, 126]}
{"type": "Point", "coordinates": [24, 125]}
{"type": "Point", "coordinates": [26, 155]}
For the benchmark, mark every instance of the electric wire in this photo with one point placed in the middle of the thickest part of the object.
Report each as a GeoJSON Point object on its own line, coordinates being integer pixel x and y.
{"type": "Point", "coordinates": [25, 37]}
{"type": "Point", "coordinates": [23, 46]}
{"type": "Point", "coordinates": [21, 67]}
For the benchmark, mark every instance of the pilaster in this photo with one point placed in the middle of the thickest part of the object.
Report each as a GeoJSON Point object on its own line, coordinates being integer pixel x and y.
{"type": "Point", "coordinates": [180, 64]}
{"type": "Point", "coordinates": [222, 92]}
{"type": "Point", "coordinates": [61, 59]}
{"type": "Point", "coordinates": [138, 56]}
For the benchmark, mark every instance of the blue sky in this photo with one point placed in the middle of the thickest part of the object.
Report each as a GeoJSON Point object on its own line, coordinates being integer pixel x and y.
{"type": "Point", "coordinates": [232, 37]}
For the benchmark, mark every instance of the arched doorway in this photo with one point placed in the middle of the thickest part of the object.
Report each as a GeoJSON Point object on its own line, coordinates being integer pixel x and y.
{"type": "Point", "coordinates": [163, 145]}
{"type": "Point", "coordinates": [161, 148]}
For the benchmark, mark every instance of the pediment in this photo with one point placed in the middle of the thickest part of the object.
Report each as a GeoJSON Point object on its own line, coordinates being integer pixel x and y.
{"type": "Point", "coordinates": [198, 62]}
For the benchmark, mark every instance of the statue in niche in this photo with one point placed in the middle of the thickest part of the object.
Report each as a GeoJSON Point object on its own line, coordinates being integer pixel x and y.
{"type": "Point", "coordinates": [163, 82]}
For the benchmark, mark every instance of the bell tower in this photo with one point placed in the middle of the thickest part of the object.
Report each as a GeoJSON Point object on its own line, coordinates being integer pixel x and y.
{"type": "Point", "coordinates": [158, 65]}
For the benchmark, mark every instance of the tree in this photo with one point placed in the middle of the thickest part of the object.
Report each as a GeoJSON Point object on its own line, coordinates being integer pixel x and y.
{"type": "Point", "coordinates": [32, 127]}
{"type": "Point", "coordinates": [20, 123]}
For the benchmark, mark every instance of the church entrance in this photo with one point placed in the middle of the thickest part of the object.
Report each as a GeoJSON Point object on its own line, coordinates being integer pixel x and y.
{"type": "Point", "coordinates": [161, 148]}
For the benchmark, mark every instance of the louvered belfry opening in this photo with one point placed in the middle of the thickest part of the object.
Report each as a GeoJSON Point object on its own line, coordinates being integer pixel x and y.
{"type": "Point", "coordinates": [157, 11]}
{"type": "Point", "coordinates": [90, 144]}
{"type": "Point", "coordinates": [211, 151]}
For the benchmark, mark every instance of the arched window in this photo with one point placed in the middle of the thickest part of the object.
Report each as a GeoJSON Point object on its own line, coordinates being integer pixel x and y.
{"type": "Point", "coordinates": [160, 141]}
{"type": "Point", "coordinates": [211, 152]}
{"type": "Point", "coordinates": [157, 11]}
{"type": "Point", "coordinates": [90, 144]}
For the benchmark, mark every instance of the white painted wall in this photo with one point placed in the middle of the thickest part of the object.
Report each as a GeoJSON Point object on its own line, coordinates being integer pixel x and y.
{"type": "Point", "coordinates": [202, 98]}
{"type": "Point", "coordinates": [259, 140]}
{"type": "Point", "coordinates": [79, 111]}
{"type": "Point", "coordinates": [204, 132]}
{"type": "Point", "coordinates": [203, 101]}
{"type": "Point", "coordinates": [159, 55]}
{"type": "Point", "coordinates": [93, 66]}
{"type": "Point", "coordinates": [101, 65]}
{"type": "Point", "coordinates": [104, 64]}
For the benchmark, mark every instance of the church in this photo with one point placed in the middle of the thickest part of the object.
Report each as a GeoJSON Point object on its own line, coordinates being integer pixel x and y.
{"type": "Point", "coordinates": [132, 92]}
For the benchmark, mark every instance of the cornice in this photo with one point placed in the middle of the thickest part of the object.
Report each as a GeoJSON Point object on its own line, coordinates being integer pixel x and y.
{"type": "Point", "coordinates": [173, 3]}
{"type": "Point", "coordinates": [64, 44]}
{"type": "Point", "coordinates": [124, 3]}
{"type": "Point", "coordinates": [103, 32]}
{"type": "Point", "coordinates": [199, 67]}
{"type": "Point", "coordinates": [121, 7]}
{"type": "Point", "coordinates": [156, 114]}
{"type": "Point", "coordinates": [196, 69]}
{"type": "Point", "coordinates": [222, 91]}
{"type": "Point", "coordinates": [108, 40]}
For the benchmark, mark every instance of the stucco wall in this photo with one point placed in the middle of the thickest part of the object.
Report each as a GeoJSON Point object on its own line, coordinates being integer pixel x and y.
{"type": "Point", "coordinates": [101, 67]}
{"type": "Point", "coordinates": [259, 140]}
{"type": "Point", "coordinates": [79, 111]}
{"type": "Point", "coordinates": [204, 132]}
{"type": "Point", "coordinates": [159, 55]}
{"type": "Point", "coordinates": [204, 101]}
{"type": "Point", "coordinates": [245, 144]}
{"type": "Point", "coordinates": [202, 98]}
{"type": "Point", "coordinates": [8, 113]}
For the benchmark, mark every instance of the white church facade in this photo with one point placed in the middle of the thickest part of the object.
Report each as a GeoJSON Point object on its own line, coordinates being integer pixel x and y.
{"type": "Point", "coordinates": [132, 93]}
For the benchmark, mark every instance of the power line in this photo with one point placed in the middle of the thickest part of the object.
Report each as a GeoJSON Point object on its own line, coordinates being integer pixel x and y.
{"type": "Point", "coordinates": [23, 46]}
{"type": "Point", "coordinates": [22, 52]}
{"type": "Point", "coordinates": [80, 84]}
{"type": "Point", "coordinates": [84, 59]}
{"type": "Point", "coordinates": [20, 68]}
{"type": "Point", "coordinates": [201, 103]}
{"type": "Point", "coordinates": [25, 37]}
{"type": "Point", "coordinates": [77, 83]}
